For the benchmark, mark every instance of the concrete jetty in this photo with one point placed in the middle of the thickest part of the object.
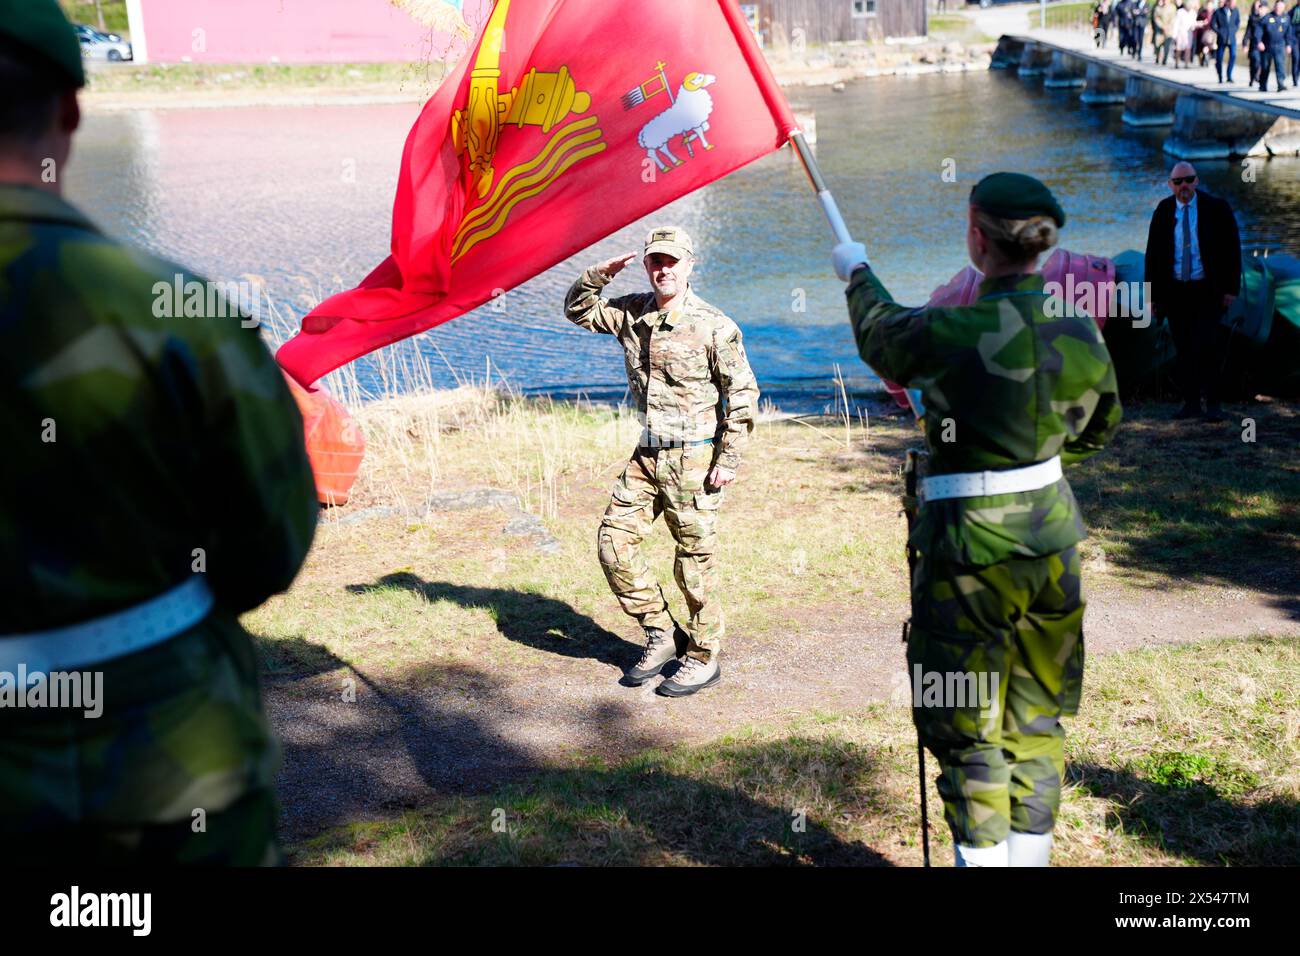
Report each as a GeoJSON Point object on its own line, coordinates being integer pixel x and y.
{"type": "Point", "coordinates": [1206, 119]}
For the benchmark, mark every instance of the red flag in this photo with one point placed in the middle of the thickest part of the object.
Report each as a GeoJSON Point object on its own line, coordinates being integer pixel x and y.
{"type": "Point", "coordinates": [569, 120]}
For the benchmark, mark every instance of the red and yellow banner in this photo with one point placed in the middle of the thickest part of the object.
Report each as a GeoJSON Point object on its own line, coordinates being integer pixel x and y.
{"type": "Point", "coordinates": [569, 120]}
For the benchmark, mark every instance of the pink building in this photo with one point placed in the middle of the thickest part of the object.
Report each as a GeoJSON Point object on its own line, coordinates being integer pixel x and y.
{"type": "Point", "coordinates": [300, 31]}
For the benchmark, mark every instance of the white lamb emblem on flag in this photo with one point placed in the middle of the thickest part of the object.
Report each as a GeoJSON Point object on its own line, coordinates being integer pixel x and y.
{"type": "Point", "coordinates": [688, 116]}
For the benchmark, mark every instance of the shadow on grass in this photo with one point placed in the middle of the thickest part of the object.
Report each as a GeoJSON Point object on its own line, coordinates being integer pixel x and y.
{"type": "Point", "coordinates": [525, 618]}
{"type": "Point", "coordinates": [652, 810]}
{"type": "Point", "coordinates": [450, 735]}
{"type": "Point", "coordinates": [1194, 501]}
{"type": "Point", "coordinates": [362, 747]}
{"type": "Point", "coordinates": [1195, 818]}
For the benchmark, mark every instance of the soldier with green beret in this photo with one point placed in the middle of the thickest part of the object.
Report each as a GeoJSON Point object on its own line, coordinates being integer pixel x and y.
{"type": "Point", "coordinates": [1010, 396]}
{"type": "Point", "coordinates": [697, 399]}
{"type": "Point", "coordinates": [155, 486]}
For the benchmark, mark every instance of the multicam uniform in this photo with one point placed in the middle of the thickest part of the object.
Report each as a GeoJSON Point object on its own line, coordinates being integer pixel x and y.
{"type": "Point", "coordinates": [997, 588]}
{"type": "Point", "coordinates": [690, 380]}
{"type": "Point", "coordinates": [169, 435]}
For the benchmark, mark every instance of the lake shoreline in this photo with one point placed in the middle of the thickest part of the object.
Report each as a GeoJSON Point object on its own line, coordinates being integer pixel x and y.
{"type": "Point", "coordinates": [235, 86]}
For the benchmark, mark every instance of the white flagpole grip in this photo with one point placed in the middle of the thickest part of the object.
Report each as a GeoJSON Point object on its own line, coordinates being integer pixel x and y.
{"type": "Point", "coordinates": [824, 196]}
{"type": "Point", "coordinates": [833, 214]}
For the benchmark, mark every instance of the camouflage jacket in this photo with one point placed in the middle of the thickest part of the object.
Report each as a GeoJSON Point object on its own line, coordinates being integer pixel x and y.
{"type": "Point", "coordinates": [1004, 386]}
{"type": "Point", "coordinates": [687, 370]}
{"type": "Point", "coordinates": [138, 448]}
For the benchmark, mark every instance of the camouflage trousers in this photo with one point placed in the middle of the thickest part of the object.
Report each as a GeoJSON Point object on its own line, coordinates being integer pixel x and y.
{"type": "Point", "coordinates": [1017, 627]}
{"type": "Point", "coordinates": [178, 769]}
{"type": "Point", "coordinates": [668, 481]}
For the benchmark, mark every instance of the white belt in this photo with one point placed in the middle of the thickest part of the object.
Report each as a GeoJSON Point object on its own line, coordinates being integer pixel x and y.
{"type": "Point", "coordinates": [78, 646]}
{"type": "Point", "coordinates": [974, 484]}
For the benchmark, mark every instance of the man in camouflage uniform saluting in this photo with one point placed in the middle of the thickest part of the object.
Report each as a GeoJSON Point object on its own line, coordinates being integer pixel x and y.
{"type": "Point", "coordinates": [1010, 395]}
{"type": "Point", "coordinates": [692, 385]}
{"type": "Point", "coordinates": [156, 487]}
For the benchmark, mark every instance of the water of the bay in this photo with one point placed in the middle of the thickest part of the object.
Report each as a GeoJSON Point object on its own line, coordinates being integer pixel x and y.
{"type": "Point", "coordinates": [301, 198]}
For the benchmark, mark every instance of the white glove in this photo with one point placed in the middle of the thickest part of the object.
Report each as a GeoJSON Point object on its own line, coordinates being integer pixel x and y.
{"type": "Point", "coordinates": [847, 257]}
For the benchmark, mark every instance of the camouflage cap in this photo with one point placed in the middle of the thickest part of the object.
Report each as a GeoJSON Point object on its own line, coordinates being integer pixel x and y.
{"type": "Point", "coordinates": [672, 240]}
{"type": "Point", "coordinates": [39, 26]}
{"type": "Point", "coordinates": [1016, 196]}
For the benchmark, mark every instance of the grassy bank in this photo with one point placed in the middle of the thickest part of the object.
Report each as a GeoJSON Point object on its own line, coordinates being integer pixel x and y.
{"type": "Point", "coordinates": [87, 12]}
{"type": "Point", "coordinates": [464, 634]}
{"type": "Point", "coordinates": [1180, 756]}
{"type": "Point", "coordinates": [1066, 16]}
{"type": "Point", "coordinates": [175, 78]}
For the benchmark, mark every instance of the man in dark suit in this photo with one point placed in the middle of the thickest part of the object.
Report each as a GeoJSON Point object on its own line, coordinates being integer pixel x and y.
{"type": "Point", "coordinates": [1225, 22]}
{"type": "Point", "coordinates": [1193, 268]}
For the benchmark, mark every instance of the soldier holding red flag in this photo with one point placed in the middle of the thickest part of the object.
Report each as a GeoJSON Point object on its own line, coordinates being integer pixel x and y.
{"type": "Point", "coordinates": [693, 387]}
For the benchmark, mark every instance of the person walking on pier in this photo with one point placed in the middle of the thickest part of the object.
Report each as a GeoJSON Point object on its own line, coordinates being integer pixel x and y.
{"type": "Point", "coordinates": [1204, 39]}
{"type": "Point", "coordinates": [1101, 17]}
{"type": "Point", "coordinates": [1225, 23]}
{"type": "Point", "coordinates": [1184, 21]}
{"type": "Point", "coordinates": [1294, 17]}
{"type": "Point", "coordinates": [1257, 10]}
{"type": "Point", "coordinates": [1274, 39]}
{"type": "Point", "coordinates": [1162, 29]}
{"type": "Point", "coordinates": [692, 385]}
{"type": "Point", "coordinates": [1124, 24]}
{"type": "Point", "coordinates": [1193, 266]}
{"type": "Point", "coordinates": [1139, 28]}
{"type": "Point", "coordinates": [996, 590]}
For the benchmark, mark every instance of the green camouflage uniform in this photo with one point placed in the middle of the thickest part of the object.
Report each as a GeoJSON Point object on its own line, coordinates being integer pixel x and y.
{"type": "Point", "coordinates": [171, 434]}
{"type": "Point", "coordinates": [996, 589]}
{"type": "Point", "coordinates": [697, 397]}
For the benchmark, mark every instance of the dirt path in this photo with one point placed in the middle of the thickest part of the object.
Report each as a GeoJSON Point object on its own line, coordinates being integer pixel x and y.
{"type": "Point", "coordinates": [461, 728]}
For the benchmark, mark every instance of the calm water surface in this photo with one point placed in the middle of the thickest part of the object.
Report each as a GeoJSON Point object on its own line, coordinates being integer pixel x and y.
{"type": "Point", "coordinates": [262, 192]}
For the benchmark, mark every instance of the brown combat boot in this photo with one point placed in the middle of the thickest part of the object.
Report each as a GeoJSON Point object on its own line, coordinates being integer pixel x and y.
{"type": "Point", "coordinates": [660, 648]}
{"type": "Point", "coordinates": [694, 675]}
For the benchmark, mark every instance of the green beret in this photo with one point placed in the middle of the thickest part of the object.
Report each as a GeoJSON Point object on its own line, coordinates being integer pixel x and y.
{"type": "Point", "coordinates": [1016, 196]}
{"type": "Point", "coordinates": [40, 27]}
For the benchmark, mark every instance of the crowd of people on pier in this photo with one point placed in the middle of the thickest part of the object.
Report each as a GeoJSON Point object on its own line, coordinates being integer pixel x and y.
{"type": "Point", "coordinates": [1197, 32]}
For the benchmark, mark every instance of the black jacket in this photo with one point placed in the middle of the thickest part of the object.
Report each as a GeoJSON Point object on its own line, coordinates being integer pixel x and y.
{"type": "Point", "coordinates": [1217, 237]}
{"type": "Point", "coordinates": [1225, 23]}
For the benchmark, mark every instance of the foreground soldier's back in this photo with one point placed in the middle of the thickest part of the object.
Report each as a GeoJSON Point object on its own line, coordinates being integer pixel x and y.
{"type": "Point", "coordinates": [156, 486]}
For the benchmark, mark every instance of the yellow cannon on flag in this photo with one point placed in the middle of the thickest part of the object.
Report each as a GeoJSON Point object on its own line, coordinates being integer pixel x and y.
{"type": "Point", "coordinates": [542, 99]}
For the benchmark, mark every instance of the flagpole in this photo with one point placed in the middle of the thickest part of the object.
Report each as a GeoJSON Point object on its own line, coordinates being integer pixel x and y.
{"type": "Point", "coordinates": [819, 186]}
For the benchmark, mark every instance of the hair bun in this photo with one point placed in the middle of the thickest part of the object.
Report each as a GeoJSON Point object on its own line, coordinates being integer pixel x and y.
{"type": "Point", "coordinates": [1036, 235]}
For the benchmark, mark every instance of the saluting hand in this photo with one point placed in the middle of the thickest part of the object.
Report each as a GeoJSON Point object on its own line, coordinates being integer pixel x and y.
{"type": "Point", "coordinates": [613, 267]}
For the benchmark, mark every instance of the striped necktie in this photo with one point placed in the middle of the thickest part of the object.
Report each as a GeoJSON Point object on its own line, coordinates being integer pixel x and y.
{"type": "Point", "coordinates": [1185, 272]}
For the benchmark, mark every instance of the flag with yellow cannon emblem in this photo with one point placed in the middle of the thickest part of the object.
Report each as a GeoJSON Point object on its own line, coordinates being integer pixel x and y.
{"type": "Point", "coordinates": [553, 132]}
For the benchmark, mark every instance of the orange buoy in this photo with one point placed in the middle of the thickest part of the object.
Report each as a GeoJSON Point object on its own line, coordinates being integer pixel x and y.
{"type": "Point", "coordinates": [335, 444]}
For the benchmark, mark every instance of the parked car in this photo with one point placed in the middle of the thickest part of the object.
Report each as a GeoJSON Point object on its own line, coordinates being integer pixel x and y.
{"type": "Point", "coordinates": [102, 46]}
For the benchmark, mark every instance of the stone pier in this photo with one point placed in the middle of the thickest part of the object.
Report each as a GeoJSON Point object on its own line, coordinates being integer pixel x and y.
{"type": "Point", "coordinates": [1065, 70]}
{"type": "Point", "coordinates": [1035, 59]}
{"type": "Point", "coordinates": [1103, 85]}
{"type": "Point", "coordinates": [1148, 103]}
{"type": "Point", "coordinates": [1007, 55]}
{"type": "Point", "coordinates": [1209, 120]}
{"type": "Point", "coordinates": [1206, 127]}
